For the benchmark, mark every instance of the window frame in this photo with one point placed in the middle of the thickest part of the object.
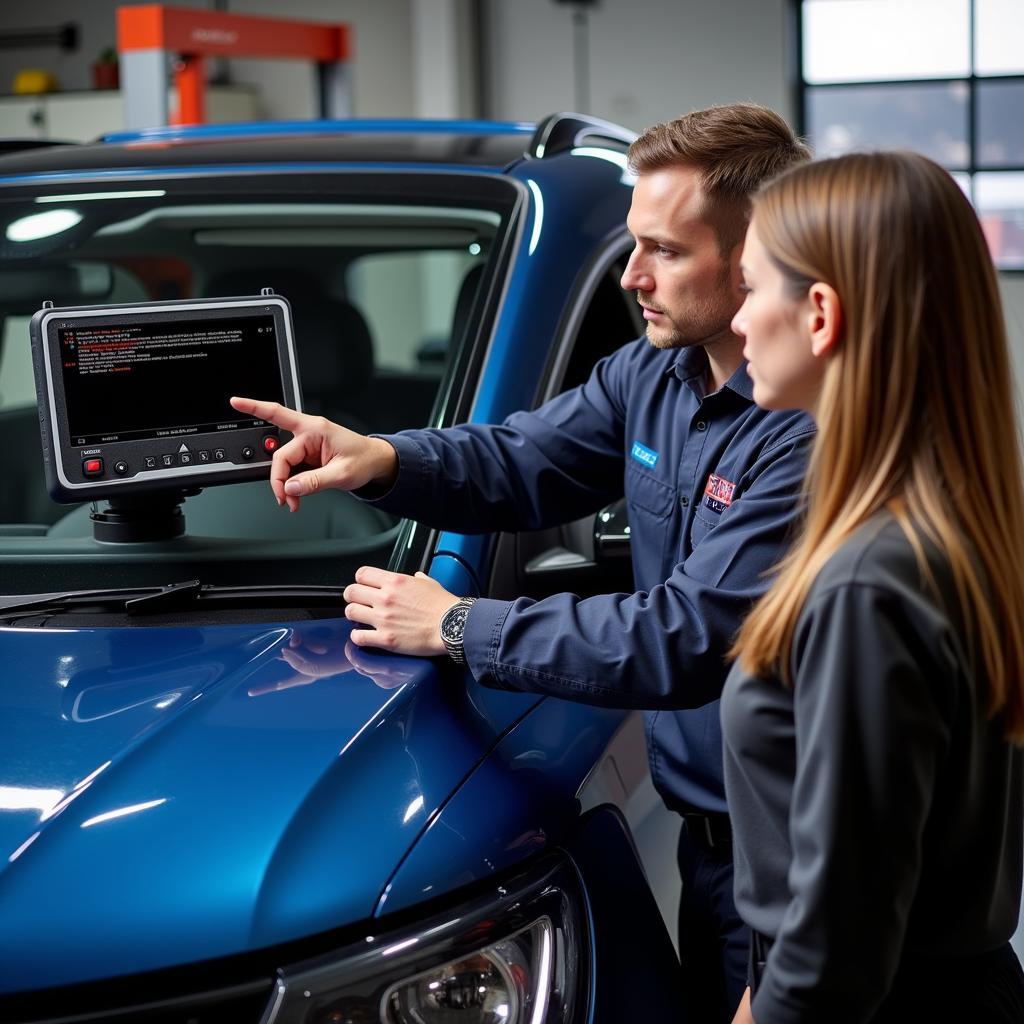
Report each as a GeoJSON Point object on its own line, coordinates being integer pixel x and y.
{"type": "Point", "coordinates": [802, 88]}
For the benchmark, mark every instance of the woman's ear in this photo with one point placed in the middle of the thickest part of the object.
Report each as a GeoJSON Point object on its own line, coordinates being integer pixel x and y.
{"type": "Point", "coordinates": [825, 318]}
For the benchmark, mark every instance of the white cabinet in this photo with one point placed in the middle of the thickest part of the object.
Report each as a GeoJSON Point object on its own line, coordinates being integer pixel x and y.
{"type": "Point", "coordinates": [83, 116]}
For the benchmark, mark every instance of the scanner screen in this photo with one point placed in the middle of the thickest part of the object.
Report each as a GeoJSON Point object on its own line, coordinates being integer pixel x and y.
{"type": "Point", "coordinates": [165, 378]}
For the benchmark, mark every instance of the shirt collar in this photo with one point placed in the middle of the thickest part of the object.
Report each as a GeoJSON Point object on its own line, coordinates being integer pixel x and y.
{"type": "Point", "coordinates": [691, 364]}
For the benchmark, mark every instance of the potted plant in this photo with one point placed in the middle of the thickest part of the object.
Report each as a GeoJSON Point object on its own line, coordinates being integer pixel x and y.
{"type": "Point", "coordinates": [105, 70]}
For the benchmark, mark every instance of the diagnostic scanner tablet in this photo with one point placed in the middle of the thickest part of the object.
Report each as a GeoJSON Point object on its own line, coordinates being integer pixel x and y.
{"type": "Point", "coordinates": [134, 398]}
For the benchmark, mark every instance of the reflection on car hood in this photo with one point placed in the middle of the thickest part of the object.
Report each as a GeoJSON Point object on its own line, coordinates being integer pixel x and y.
{"type": "Point", "coordinates": [173, 795]}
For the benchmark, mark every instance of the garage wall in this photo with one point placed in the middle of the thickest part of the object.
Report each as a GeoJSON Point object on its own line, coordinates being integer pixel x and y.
{"type": "Point", "coordinates": [1012, 287]}
{"type": "Point", "coordinates": [381, 70]}
{"type": "Point", "coordinates": [382, 79]}
{"type": "Point", "coordinates": [650, 60]}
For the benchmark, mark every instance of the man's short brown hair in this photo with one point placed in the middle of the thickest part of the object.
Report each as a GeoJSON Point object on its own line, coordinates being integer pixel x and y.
{"type": "Point", "coordinates": [735, 148]}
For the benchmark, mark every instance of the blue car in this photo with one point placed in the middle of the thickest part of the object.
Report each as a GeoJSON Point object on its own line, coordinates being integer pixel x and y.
{"type": "Point", "coordinates": [213, 807]}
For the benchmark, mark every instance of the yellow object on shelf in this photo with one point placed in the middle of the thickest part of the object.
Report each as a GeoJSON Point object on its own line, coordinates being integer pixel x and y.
{"type": "Point", "coordinates": [33, 80]}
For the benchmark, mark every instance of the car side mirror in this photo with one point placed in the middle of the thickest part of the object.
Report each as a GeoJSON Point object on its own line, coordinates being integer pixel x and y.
{"type": "Point", "coordinates": [611, 533]}
{"type": "Point", "coordinates": [593, 556]}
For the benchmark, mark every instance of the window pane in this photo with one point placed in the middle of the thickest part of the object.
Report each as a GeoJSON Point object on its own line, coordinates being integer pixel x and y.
{"type": "Point", "coordinates": [17, 385]}
{"type": "Point", "coordinates": [999, 37]}
{"type": "Point", "coordinates": [1000, 124]}
{"type": "Point", "coordinates": [931, 119]}
{"type": "Point", "coordinates": [413, 335]}
{"type": "Point", "coordinates": [878, 40]}
{"type": "Point", "coordinates": [964, 181]}
{"type": "Point", "coordinates": [999, 200]}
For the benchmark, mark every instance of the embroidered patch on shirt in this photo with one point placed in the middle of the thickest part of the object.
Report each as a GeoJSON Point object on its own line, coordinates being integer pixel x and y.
{"type": "Point", "coordinates": [718, 493]}
{"type": "Point", "coordinates": [644, 454]}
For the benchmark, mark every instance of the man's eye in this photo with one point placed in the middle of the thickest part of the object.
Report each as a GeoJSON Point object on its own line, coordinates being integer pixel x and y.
{"type": "Point", "coordinates": [663, 251]}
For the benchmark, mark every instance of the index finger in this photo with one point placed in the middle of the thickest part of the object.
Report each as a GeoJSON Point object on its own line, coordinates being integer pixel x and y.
{"type": "Point", "coordinates": [273, 412]}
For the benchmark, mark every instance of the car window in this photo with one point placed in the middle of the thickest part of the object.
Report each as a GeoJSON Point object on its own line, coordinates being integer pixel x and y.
{"type": "Point", "coordinates": [610, 319]}
{"type": "Point", "coordinates": [17, 389]}
{"type": "Point", "coordinates": [379, 285]}
{"type": "Point", "coordinates": [414, 333]}
{"type": "Point", "coordinates": [17, 386]}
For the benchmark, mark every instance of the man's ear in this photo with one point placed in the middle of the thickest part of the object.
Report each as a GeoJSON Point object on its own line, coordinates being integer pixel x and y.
{"type": "Point", "coordinates": [825, 318]}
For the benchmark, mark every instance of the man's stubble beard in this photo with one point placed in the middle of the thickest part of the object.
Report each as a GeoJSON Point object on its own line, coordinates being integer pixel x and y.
{"type": "Point", "coordinates": [710, 326]}
{"type": "Point", "coordinates": [659, 339]}
{"type": "Point", "coordinates": [705, 324]}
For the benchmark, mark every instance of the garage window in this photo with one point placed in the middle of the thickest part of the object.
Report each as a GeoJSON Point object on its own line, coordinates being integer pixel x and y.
{"type": "Point", "coordinates": [943, 77]}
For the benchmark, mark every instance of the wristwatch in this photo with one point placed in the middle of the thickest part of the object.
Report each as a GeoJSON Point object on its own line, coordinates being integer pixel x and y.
{"type": "Point", "coordinates": [453, 628]}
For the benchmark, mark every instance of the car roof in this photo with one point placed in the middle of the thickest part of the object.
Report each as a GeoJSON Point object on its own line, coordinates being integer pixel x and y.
{"type": "Point", "coordinates": [455, 144]}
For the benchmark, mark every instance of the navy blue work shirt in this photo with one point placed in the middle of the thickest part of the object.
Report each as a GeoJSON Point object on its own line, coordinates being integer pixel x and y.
{"type": "Point", "coordinates": [712, 482]}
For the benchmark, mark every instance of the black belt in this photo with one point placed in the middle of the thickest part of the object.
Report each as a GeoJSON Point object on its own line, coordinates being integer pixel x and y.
{"type": "Point", "coordinates": [759, 946]}
{"type": "Point", "coordinates": [711, 832]}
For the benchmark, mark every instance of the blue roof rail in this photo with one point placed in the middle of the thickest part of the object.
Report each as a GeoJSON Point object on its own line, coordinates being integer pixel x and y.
{"type": "Point", "coordinates": [560, 132]}
{"type": "Point", "coordinates": [242, 129]}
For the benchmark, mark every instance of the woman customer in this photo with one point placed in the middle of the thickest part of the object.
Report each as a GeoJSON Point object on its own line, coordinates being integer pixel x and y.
{"type": "Point", "coordinates": [873, 718]}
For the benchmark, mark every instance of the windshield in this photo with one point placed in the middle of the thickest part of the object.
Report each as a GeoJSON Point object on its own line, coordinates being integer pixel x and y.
{"type": "Point", "coordinates": [387, 286]}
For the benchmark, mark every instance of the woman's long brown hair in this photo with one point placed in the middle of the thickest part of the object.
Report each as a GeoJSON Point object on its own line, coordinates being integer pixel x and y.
{"type": "Point", "coordinates": [916, 413]}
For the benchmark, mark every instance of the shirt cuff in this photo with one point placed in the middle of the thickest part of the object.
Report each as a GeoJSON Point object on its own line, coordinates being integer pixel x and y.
{"type": "Point", "coordinates": [482, 636]}
{"type": "Point", "coordinates": [412, 470]}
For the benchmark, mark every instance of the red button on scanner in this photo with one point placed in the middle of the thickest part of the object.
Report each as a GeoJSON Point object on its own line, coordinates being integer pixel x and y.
{"type": "Point", "coordinates": [92, 467]}
{"type": "Point", "coordinates": [271, 443]}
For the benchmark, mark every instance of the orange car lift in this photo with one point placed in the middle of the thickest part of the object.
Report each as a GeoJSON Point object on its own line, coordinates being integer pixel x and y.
{"type": "Point", "coordinates": [151, 36]}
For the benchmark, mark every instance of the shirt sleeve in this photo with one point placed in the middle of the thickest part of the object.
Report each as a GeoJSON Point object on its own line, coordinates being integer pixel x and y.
{"type": "Point", "coordinates": [871, 706]}
{"type": "Point", "coordinates": [536, 469]}
{"type": "Point", "coordinates": [660, 649]}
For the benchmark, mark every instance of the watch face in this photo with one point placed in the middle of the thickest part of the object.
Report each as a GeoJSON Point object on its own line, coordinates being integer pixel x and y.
{"type": "Point", "coordinates": [453, 625]}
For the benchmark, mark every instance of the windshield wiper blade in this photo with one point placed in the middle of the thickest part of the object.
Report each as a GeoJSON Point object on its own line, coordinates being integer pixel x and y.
{"type": "Point", "coordinates": [183, 595]}
{"type": "Point", "coordinates": [176, 596]}
{"type": "Point", "coordinates": [68, 598]}
{"type": "Point", "coordinates": [173, 596]}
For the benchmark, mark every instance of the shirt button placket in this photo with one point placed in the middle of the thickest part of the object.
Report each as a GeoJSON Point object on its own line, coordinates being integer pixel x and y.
{"type": "Point", "coordinates": [691, 458]}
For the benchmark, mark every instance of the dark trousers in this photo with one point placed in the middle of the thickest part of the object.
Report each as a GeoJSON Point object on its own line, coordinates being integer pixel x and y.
{"type": "Point", "coordinates": [713, 941]}
{"type": "Point", "coordinates": [983, 989]}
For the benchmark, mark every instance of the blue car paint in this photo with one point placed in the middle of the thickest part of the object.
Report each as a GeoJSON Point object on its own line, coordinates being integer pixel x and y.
{"type": "Point", "coordinates": [325, 782]}
{"type": "Point", "coordinates": [453, 574]}
{"type": "Point", "coordinates": [519, 801]}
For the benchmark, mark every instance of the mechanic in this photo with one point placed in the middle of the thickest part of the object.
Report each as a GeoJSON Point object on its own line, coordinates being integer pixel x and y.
{"type": "Point", "coordinates": [711, 482]}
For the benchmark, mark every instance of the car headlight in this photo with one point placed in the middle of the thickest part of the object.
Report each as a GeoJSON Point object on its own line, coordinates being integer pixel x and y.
{"type": "Point", "coordinates": [507, 981]}
{"type": "Point", "coordinates": [517, 956]}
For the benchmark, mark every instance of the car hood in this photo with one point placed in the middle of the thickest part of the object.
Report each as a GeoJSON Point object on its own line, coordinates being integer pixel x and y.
{"type": "Point", "coordinates": [169, 795]}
